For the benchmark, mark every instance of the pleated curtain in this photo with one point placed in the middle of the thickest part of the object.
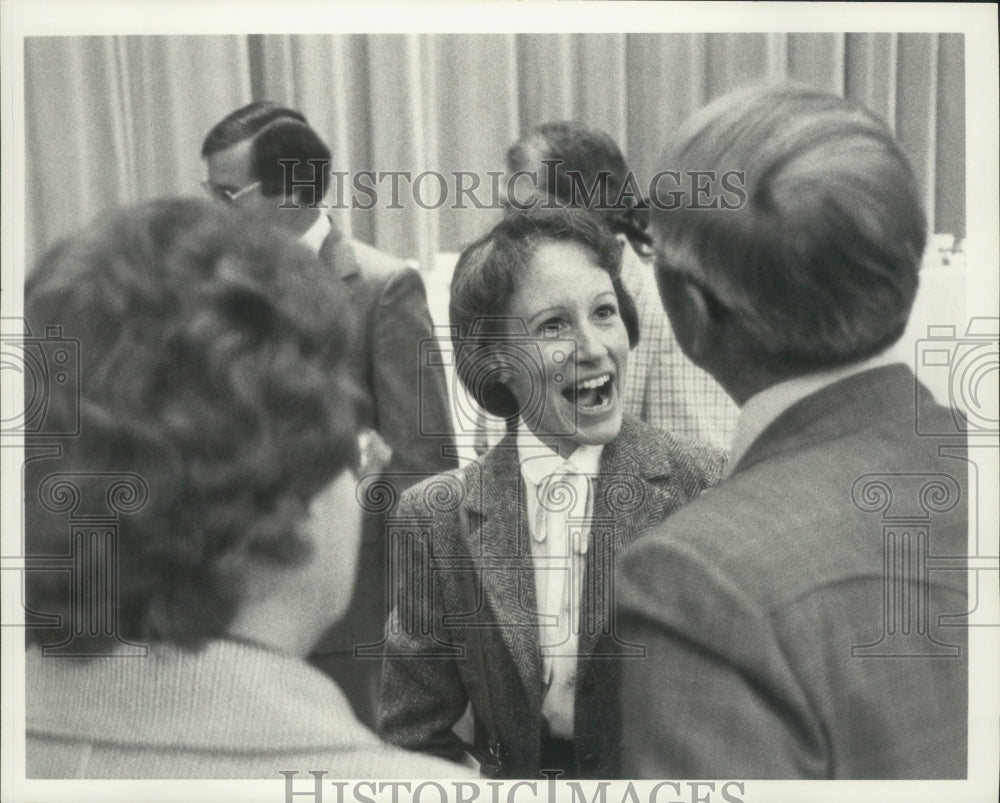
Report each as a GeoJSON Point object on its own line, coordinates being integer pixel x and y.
{"type": "Point", "coordinates": [111, 120]}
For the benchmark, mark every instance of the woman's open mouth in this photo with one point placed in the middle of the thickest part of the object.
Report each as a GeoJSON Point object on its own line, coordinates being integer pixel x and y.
{"type": "Point", "coordinates": [593, 395]}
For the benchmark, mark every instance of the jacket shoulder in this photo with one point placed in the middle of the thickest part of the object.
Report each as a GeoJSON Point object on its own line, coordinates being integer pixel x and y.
{"type": "Point", "coordinates": [439, 495]}
{"type": "Point", "coordinates": [387, 761]}
{"type": "Point", "coordinates": [378, 265]}
{"type": "Point", "coordinates": [694, 464]}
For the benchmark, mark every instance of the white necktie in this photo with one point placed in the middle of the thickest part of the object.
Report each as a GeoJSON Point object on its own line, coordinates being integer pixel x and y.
{"type": "Point", "coordinates": [561, 516]}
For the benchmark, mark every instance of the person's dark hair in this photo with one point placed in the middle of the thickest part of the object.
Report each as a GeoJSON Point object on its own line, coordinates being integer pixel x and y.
{"type": "Point", "coordinates": [820, 262]}
{"type": "Point", "coordinates": [213, 371]}
{"type": "Point", "coordinates": [486, 277]}
{"type": "Point", "coordinates": [278, 134]}
{"type": "Point", "coordinates": [572, 161]}
{"type": "Point", "coordinates": [289, 140]}
{"type": "Point", "coordinates": [246, 122]}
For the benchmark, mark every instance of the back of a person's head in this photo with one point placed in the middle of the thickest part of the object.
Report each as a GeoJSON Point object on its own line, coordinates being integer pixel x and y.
{"type": "Point", "coordinates": [578, 154]}
{"type": "Point", "coordinates": [820, 257]}
{"type": "Point", "coordinates": [246, 122]}
{"type": "Point", "coordinates": [213, 372]}
{"type": "Point", "coordinates": [579, 166]}
{"type": "Point", "coordinates": [287, 156]}
{"type": "Point", "coordinates": [291, 160]}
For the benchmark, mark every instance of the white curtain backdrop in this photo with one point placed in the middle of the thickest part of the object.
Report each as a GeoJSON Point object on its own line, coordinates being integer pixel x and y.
{"type": "Point", "coordinates": [111, 120]}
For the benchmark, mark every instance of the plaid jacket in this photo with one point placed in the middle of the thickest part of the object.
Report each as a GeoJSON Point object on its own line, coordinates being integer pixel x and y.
{"type": "Point", "coordinates": [662, 386]}
{"type": "Point", "coordinates": [464, 623]}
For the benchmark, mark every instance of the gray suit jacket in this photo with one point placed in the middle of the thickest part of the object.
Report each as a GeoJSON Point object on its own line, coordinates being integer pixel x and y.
{"type": "Point", "coordinates": [796, 616]}
{"type": "Point", "coordinates": [409, 408]}
{"type": "Point", "coordinates": [409, 399]}
{"type": "Point", "coordinates": [464, 624]}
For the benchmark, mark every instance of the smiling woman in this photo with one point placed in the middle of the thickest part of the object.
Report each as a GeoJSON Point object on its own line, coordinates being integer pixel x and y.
{"type": "Point", "coordinates": [541, 297]}
{"type": "Point", "coordinates": [518, 619]}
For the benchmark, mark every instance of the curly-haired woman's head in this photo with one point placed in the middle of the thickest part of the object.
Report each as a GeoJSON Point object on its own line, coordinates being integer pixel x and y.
{"type": "Point", "coordinates": [213, 373]}
{"type": "Point", "coordinates": [542, 290]}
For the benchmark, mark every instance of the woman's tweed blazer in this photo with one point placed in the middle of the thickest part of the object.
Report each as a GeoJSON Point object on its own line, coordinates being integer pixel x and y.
{"type": "Point", "coordinates": [464, 628]}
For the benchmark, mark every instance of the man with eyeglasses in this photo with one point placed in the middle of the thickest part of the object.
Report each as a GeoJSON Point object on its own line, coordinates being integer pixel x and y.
{"type": "Point", "coordinates": [268, 162]}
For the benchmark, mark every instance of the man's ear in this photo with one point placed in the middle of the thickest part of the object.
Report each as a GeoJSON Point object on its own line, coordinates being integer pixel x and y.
{"type": "Point", "coordinates": [692, 313]}
{"type": "Point", "coordinates": [705, 315]}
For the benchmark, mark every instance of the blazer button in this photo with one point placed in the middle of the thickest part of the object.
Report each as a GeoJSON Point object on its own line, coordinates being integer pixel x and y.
{"type": "Point", "coordinates": [589, 760]}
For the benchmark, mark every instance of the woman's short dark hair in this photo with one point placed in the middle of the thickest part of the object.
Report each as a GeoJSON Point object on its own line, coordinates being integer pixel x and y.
{"type": "Point", "coordinates": [820, 261]}
{"type": "Point", "coordinates": [486, 277]}
{"type": "Point", "coordinates": [213, 371]}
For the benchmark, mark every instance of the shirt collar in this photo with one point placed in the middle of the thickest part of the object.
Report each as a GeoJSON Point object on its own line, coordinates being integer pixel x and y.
{"type": "Point", "coordinates": [762, 408]}
{"type": "Point", "coordinates": [538, 461]}
{"type": "Point", "coordinates": [316, 233]}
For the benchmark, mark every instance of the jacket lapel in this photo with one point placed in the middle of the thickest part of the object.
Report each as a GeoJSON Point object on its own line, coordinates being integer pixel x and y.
{"type": "Point", "coordinates": [631, 494]}
{"type": "Point", "coordinates": [497, 539]}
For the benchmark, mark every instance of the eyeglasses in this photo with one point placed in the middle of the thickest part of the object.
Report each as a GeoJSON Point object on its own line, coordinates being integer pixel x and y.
{"type": "Point", "coordinates": [227, 195]}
